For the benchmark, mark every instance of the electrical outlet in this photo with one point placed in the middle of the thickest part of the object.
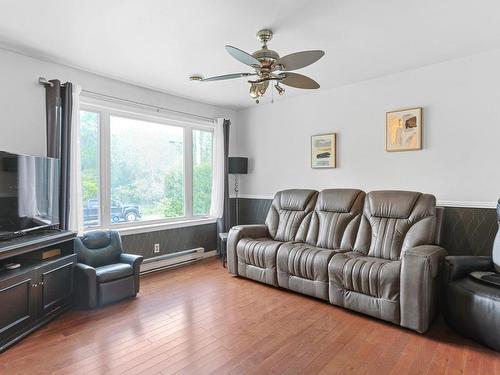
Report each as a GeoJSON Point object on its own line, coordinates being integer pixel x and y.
{"type": "Point", "coordinates": [157, 248]}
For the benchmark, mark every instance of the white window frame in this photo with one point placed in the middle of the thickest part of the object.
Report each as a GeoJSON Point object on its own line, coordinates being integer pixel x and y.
{"type": "Point", "coordinates": [105, 110]}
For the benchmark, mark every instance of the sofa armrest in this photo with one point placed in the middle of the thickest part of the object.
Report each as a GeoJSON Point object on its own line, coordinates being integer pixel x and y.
{"type": "Point", "coordinates": [236, 234]}
{"type": "Point", "coordinates": [135, 261]}
{"type": "Point", "coordinates": [458, 267]}
{"type": "Point", "coordinates": [86, 285]}
{"type": "Point", "coordinates": [420, 284]}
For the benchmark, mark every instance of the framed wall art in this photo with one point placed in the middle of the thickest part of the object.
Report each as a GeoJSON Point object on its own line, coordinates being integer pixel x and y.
{"type": "Point", "coordinates": [324, 151]}
{"type": "Point", "coordinates": [403, 130]}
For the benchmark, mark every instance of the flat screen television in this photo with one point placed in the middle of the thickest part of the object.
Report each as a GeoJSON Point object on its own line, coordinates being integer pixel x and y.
{"type": "Point", "coordinates": [29, 194]}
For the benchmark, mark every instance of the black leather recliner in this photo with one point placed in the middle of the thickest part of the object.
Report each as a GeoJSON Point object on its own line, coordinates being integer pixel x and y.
{"type": "Point", "coordinates": [104, 274]}
{"type": "Point", "coordinates": [473, 295]}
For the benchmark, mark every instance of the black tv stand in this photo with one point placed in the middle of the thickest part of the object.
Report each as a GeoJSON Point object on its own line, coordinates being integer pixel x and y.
{"type": "Point", "coordinates": [40, 289]}
{"type": "Point", "coordinates": [10, 236]}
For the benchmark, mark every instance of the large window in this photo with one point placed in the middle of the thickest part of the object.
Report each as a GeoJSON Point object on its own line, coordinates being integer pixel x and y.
{"type": "Point", "coordinates": [89, 146]}
{"type": "Point", "coordinates": [138, 168]}
{"type": "Point", "coordinates": [202, 171]}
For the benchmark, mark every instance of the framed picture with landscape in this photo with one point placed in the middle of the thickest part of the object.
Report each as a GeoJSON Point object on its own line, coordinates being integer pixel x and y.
{"type": "Point", "coordinates": [403, 130]}
{"type": "Point", "coordinates": [324, 151]}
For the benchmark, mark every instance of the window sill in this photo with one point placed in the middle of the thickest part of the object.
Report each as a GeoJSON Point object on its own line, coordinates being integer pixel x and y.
{"type": "Point", "coordinates": [145, 227]}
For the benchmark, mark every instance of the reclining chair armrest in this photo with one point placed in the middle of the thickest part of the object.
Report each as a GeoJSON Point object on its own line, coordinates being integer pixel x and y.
{"type": "Point", "coordinates": [458, 267]}
{"type": "Point", "coordinates": [86, 286]}
{"type": "Point", "coordinates": [132, 259]}
{"type": "Point", "coordinates": [420, 284]}
{"type": "Point", "coordinates": [135, 261]}
{"type": "Point", "coordinates": [236, 234]}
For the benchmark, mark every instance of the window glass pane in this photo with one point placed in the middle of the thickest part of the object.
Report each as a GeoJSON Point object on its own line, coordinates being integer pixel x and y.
{"type": "Point", "coordinates": [89, 151]}
{"type": "Point", "coordinates": [202, 172]}
{"type": "Point", "coordinates": [147, 172]}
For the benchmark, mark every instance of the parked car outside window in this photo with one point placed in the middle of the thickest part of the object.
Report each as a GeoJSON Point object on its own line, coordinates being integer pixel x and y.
{"type": "Point", "coordinates": [119, 212]}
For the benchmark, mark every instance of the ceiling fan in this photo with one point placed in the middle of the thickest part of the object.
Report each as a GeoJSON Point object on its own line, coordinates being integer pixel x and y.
{"type": "Point", "coordinates": [269, 66]}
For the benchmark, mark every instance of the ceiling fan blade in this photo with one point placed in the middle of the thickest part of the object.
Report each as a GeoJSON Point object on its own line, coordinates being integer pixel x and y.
{"type": "Point", "coordinates": [227, 76]}
{"type": "Point", "coordinates": [298, 80]}
{"type": "Point", "coordinates": [242, 56]}
{"type": "Point", "coordinates": [299, 60]}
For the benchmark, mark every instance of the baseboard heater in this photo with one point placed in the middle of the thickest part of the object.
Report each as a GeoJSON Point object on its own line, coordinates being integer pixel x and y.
{"type": "Point", "coordinates": [171, 260]}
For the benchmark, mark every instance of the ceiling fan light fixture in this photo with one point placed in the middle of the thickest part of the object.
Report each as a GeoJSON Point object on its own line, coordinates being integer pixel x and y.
{"type": "Point", "coordinates": [280, 89]}
{"type": "Point", "coordinates": [258, 89]}
{"type": "Point", "coordinates": [254, 91]}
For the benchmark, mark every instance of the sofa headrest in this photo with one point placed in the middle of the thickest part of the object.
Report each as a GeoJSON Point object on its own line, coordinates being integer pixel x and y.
{"type": "Point", "coordinates": [337, 200]}
{"type": "Point", "coordinates": [392, 203]}
{"type": "Point", "coordinates": [295, 199]}
{"type": "Point", "coordinates": [96, 239]}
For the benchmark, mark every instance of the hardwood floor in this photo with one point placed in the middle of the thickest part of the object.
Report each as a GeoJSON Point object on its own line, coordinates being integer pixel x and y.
{"type": "Point", "coordinates": [199, 320]}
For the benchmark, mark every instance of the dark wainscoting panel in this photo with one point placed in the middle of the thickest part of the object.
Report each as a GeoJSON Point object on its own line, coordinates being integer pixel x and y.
{"type": "Point", "coordinates": [469, 231]}
{"type": "Point", "coordinates": [171, 240]}
{"type": "Point", "coordinates": [466, 231]}
{"type": "Point", "coordinates": [252, 211]}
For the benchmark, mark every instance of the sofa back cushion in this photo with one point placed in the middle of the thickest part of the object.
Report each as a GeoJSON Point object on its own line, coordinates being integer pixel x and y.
{"type": "Point", "coordinates": [287, 213]}
{"type": "Point", "coordinates": [335, 219]}
{"type": "Point", "coordinates": [393, 221]}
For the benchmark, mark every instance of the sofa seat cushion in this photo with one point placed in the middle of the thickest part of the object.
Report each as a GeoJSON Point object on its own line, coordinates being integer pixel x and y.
{"type": "Point", "coordinates": [257, 259]}
{"type": "Point", "coordinates": [303, 260]}
{"type": "Point", "coordinates": [366, 284]}
{"type": "Point", "coordinates": [304, 268]}
{"type": "Point", "coordinates": [113, 272]}
{"type": "Point", "coordinates": [371, 276]}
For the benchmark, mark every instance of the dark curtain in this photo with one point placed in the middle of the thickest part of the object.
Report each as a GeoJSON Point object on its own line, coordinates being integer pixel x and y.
{"type": "Point", "coordinates": [59, 103]}
{"type": "Point", "coordinates": [224, 223]}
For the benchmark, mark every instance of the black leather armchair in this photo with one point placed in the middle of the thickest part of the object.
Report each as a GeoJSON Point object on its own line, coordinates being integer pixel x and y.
{"type": "Point", "coordinates": [472, 304]}
{"type": "Point", "coordinates": [104, 274]}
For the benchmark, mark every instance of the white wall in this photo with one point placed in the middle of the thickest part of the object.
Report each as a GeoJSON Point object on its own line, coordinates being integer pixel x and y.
{"type": "Point", "coordinates": [460, 160]}
{"type": "Point", "coordinates": [22, 99]}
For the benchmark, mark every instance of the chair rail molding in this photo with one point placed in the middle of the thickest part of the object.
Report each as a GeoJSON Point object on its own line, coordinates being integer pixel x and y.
{"type": "Point", "coordinates": [466, 204]}
{"type": "Point", "coordinates": [442, 203]}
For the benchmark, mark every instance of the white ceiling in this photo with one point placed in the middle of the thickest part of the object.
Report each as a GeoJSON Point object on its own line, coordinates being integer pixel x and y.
{"type": "Point", "coordinates": [159, 43]}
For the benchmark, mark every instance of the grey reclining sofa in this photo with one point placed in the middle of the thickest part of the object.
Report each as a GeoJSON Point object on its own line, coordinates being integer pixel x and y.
{"type": "Point", "coordinates": [372, 253]}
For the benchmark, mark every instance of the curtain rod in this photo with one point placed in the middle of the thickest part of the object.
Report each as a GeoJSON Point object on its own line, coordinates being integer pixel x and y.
{"type": "Point", "coordinates": [44, 82]}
